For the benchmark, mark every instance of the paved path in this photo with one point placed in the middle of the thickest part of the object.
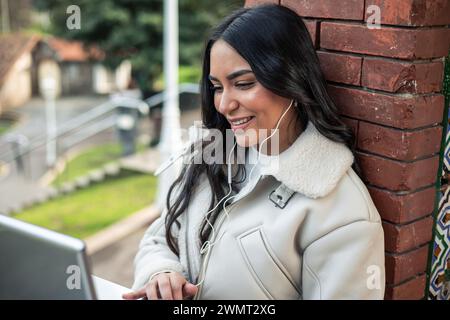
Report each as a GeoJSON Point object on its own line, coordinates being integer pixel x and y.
{"type": "Point", "coordinates": [115, 263]}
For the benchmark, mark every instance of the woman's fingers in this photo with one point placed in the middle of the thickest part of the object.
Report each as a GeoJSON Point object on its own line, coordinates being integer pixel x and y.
{"type": "Point", "coordinates": [189, 290]}
{"type": "Point", "coordinates": [177, 287]}
{"type": "Point", "coordinates": [134, 295]}
{"type": "Point", "coordinates": [152, 292]}
{"type": "Point", "coordinates": [165, 288]}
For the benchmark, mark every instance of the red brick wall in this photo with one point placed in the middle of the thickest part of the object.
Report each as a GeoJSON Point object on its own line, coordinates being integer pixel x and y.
{"type": "Point", "coordinates": [387, 84]}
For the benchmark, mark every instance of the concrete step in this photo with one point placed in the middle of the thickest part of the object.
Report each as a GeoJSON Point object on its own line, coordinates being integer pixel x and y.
{"type": "Point", "coordinates": [82, 182]}
{"type": "Point", "coordinates": [67, 187]}
{"type": "Point", "coordinates": [112, 169]}
{"type": "Point", "coordinates": [97, 175]}
{"type": "Point", "coordinates": [145, 162]}
{"type": "Point", "coordinates": [32, 194]}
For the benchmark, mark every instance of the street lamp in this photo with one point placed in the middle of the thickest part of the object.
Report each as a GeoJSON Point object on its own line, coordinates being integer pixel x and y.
{"type": "Point", "coordinates": [171, 141]}
{"type": "Point", "coordinates": [49, 92]}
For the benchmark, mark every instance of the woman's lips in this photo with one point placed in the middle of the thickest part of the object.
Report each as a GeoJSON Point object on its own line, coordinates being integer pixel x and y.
{"type": "Point", "coordinates": [241, 126]}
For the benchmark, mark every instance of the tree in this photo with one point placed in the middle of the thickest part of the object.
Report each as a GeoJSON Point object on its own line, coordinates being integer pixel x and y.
{"type": "Point", "coordinates": [15, 15]}
{"type": "Point", "coordinates": [132, 29]}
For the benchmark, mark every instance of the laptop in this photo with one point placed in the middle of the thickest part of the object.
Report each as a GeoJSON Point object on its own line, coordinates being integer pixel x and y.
{"type": "Point", "coordinates": [37, 263]}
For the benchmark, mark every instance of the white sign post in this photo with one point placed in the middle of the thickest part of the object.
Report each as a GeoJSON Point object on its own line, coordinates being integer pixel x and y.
{"type": "Point", "coordinates": [49, 91]}
{"type": "Point", "coordinates": [171, 129]}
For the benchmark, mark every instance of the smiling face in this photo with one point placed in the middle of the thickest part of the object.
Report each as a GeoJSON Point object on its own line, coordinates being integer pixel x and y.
{"type": "Point", "coordinates": [244, 102]}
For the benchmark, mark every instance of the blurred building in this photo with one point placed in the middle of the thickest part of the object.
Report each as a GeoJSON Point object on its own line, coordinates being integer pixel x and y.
{"type": "Point", "coordinates": [15, 65]}
{"type": "Point", "coordinates": [26, 59]}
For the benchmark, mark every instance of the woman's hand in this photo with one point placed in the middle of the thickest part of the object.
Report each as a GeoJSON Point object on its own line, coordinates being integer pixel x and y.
{"type": "Point", "coordinates": [166, 286]}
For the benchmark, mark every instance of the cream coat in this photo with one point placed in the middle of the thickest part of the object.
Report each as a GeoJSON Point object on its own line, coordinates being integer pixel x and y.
{"type": "Point", "coordinates": [326, 243]}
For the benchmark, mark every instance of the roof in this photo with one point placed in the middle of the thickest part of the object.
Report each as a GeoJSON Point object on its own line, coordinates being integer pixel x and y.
{"type": "Point", "coordinates": [74, 51]}
{"type": "Point", "coordinates": [12, 47]}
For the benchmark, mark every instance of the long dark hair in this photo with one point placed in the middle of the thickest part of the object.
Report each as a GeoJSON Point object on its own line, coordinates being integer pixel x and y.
{"type": "Point", "coordinates": [275, 42]}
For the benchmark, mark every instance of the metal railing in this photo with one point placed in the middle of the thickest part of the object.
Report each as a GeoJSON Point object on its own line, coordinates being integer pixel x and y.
{"type": "Point", "coordinates": [85, 125]}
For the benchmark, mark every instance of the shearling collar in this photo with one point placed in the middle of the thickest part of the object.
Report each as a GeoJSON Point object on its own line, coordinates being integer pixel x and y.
{"type": "Point", "coordinates": [312, 165]}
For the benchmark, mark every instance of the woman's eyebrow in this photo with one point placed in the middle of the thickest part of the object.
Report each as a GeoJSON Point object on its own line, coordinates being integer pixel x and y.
{"type": "Point", "coordinates": [233, 75]}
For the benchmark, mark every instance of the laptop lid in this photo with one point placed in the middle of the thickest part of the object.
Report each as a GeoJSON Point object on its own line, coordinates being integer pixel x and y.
{"type": "Point", "coordinates": [37, 263]}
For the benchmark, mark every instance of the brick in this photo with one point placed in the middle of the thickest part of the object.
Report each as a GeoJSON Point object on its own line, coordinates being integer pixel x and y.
{"type": "Point", "coordinates": [412, 12]}
{"type": "Point", "coordinates": [345, 9]}
{"type": "Point", "coordinates": [312, 26]}
{"type": "Point", "coordinates": [399, 111]}
{"type": "Point", "coordinates": [399, 144]}
{"type": "Point", "coordinates": [353, 125]}
{"type": "Point", "coordinates": [396, 175]}
{"type": "Point", "coordinates": [401, 238]}
{"type": "Point", "coordinates": [386, 41]}
{"type": "Point", "coordinates": [252, 3]}
{"type": "Point", "coordinates": [402, 77]}
{"type": "Point", "coordinates": [400, 267]}
{"type": "Point", "coordinates": [340, 67]}
{"type": "Point", "coordinates": [413, 289]}
{"type": "Point", "coordinates": [403, 207]}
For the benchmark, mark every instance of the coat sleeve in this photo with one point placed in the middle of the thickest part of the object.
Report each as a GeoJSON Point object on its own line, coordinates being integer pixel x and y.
{"type": "Point", "coordinates": [346, 263]}
{"type": "Point", "coordinates": [154, 255]}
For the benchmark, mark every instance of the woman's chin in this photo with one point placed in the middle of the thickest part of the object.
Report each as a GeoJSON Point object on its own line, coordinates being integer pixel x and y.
{"type": "Point", "coordinates": [245, 142]}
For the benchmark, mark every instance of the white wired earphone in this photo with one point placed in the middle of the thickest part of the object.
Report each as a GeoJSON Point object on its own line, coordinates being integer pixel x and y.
{"type": "Point", "coordinates": [207, 244]}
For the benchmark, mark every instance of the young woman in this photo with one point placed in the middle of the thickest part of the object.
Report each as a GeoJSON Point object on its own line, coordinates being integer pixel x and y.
{"type": "Point", "coordinates": [304, 228]}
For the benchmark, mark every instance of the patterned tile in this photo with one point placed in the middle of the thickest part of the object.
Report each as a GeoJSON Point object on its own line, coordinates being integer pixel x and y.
{"type": "Point", "coordinates": [439, 277]}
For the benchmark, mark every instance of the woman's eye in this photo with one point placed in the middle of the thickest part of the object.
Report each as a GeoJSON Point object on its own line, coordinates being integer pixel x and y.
{"type": "Point", "coordinates": [241, 85]}
{"type": "Point", "coordinates": [244, 85]}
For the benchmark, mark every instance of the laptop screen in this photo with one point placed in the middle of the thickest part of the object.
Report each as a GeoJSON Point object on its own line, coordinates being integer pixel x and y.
{"type": "Point", "coordinates": [36, 263]}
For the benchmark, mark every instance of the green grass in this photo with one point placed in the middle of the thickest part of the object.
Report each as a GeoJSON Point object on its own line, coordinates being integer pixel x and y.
{"type": "Point", "coordinates": [90, 159]}
{"type": "Point", "coordinates": [87, 211]}
{"type": "Point", "coordinates": [4, 126]}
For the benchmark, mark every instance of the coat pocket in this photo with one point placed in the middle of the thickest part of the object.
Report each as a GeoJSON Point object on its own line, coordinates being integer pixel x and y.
{"type": "Point", "coordinates": [265, 267]}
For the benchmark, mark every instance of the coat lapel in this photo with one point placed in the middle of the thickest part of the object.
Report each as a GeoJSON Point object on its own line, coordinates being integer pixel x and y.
{"type": "Point", "coordinates": [312, 165]}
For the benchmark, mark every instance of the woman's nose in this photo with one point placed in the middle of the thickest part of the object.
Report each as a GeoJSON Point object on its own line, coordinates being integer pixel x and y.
{"type": "Point", "coordinates": [227, 103]}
